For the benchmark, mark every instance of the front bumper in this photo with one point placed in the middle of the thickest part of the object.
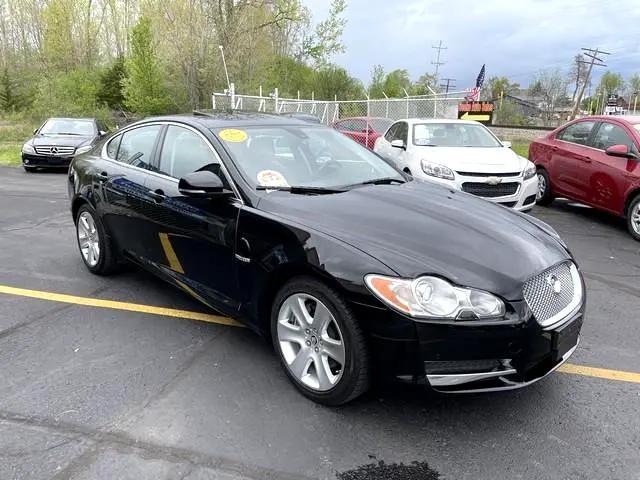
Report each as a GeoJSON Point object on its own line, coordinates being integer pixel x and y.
{"type": "Point", "coordinates": [35, 160]}
{"type": "Point", "coordinates": [523, 199]}
{"type": "Point", "coordinates": [466, 358]}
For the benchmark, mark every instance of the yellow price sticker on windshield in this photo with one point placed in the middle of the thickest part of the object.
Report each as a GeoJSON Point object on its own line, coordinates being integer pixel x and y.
{"type": "Point", "coordinates": [233, 135]}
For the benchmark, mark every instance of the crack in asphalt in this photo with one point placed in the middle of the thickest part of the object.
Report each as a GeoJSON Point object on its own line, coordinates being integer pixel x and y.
{"type": "Point", "coordinates": [124, 443]}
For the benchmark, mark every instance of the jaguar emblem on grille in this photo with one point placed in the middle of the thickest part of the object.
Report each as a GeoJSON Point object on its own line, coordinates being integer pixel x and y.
{"type": "Point", "coordinates": [54, 150]}
{"type": "Point", "coordinates": [554, 283]}
{"type": "Point", "coordinates": [494, 180]}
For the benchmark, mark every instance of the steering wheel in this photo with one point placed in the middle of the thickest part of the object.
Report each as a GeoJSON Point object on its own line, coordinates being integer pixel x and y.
{"type": "Point", "coordinates": [329, 167]}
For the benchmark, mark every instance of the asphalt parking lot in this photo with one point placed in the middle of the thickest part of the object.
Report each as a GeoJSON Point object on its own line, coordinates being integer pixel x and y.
{"type": "Point", "coordinates": [97, 391]}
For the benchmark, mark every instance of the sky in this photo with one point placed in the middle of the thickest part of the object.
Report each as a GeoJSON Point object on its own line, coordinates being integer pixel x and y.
{"type": "Point", "coordinates": [516, 38]}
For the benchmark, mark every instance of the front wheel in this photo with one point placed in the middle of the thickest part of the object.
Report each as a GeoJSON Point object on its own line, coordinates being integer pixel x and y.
{"type": "Point", "coordinates": [633, 218]}
{"type": "Point", "coordinates": [95, 247]}
{"type": "Point", "coordinates": [319, 342]}
{"type": "Point", "coordinates": [544, 196]}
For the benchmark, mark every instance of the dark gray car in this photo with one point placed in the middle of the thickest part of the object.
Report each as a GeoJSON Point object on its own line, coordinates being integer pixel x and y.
{"type": "Point", "coordinates": [58, 139]}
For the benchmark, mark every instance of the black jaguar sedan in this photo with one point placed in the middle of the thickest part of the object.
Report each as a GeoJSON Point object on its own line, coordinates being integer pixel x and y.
{"type": "Point", "coordinates": [57, 140]}
{"type": "Point", "coordinates": [353, 269]}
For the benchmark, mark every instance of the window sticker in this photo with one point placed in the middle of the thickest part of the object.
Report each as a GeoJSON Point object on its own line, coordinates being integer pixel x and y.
{"type": "Point", "coordinates": [233, 135]}
{"type": "Point", "coordinates": [271, 178]}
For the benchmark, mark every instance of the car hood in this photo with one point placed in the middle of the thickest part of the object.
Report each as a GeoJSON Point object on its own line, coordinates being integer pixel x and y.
{"type": "Point", "coordinates": [61, 140]}
{"type": "Point", "coordinates": [472, 159]}
{"type": "Point", "coordinates": [422, 228]}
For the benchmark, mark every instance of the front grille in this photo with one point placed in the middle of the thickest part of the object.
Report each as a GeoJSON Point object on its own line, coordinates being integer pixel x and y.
{"type": "Point", "coordinates": [482, 174]}
{"type": "Point", "coordinates": [508, 204]}
{"type": "Point", "coordinates": [490, 191]}
{"type": "Point", "coordinates": [550, 301]}
{"type": "Point", "coordinates": [55, 150]}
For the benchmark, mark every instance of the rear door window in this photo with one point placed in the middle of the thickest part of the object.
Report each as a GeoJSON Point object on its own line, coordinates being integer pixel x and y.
{"type": "Point", "coordinates": [577, 133]}
{"type": "Point", "coordinates": [136, 146]}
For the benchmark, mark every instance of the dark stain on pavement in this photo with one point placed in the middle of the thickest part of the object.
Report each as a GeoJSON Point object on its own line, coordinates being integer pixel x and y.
{"type": "Point", "coordinates": [391, 471]}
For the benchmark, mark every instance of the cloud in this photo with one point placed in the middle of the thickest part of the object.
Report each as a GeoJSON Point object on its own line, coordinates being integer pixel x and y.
{"type": "Point", "coordinates": [515, 38]}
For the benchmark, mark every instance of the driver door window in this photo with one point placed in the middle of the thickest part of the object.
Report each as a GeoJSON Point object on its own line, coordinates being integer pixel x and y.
{"type": "Point", "coordinates": [610, 134]}
{"type": "Point", "coordinates": [184, 152]}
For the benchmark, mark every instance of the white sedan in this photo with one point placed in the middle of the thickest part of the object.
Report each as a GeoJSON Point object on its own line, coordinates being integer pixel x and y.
{"type": "Point", "coordinates": [464, 155]}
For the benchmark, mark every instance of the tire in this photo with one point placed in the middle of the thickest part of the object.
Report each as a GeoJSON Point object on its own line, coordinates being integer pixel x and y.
{"type": "Point", "coordinates": [104, 260]}
{"type": "Point", "coordinates": [633, 217]}
{"type": "Point", "coordinates": [304, 344]}
{"type": "Point", "coordinates": [544, 195]}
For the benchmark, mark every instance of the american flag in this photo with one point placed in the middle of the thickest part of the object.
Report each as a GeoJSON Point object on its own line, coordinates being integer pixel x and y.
{"type": "Point", "coordinates": [474, 94]}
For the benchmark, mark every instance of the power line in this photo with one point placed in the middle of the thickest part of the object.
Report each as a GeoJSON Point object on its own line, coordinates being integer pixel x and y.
{"type": "Point", "coordinates": [591, 53]}
{"type": "Point", "coordinates": [437, 63]}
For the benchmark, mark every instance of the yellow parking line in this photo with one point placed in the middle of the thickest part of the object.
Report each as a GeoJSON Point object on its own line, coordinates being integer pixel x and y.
{"type": "Point", "coordinates": [600, 373]}
{"type": "Point", "coordinates": [114, 305]}
{"type": "Point", "coordinates": [204, 317]}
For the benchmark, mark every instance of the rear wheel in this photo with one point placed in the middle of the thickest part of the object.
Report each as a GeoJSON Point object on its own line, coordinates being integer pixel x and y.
{"type": "Point", "coordinates": [95, 247]}
{"type": "Point", "coordinates": [319, 342]}
{"type": "Point", "coordinates": [633, 217]}
{"type": "Point", "coordinates": [544, 196]}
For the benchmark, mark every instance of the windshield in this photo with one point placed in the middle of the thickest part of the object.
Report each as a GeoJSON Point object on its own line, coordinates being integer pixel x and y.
{"type": "Point", "coordinates": [453, 135]}
{"type": "Point", "coordinates": [306, 156]}
{"type": "Point", "coordinates": [68, 126]}
{"type": "Point", "coordinates": [380, 124]}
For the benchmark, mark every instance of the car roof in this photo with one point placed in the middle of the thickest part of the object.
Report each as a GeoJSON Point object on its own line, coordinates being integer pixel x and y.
{"type": "Point", "coordinates": [230, 119]}
{"type": "Point", "coordinates": [437, 120]}
{"type": "Point", "coordinates": [632, 119]}
{"type": "Point", "coordinates": [91, 119]}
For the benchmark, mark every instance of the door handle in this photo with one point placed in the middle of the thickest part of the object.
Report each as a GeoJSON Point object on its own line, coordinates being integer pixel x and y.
{"type": "Point", "coordinates": [158, 196]}
{"type": "Point", "coordinates": [586, 159]}
{"type": "Point", "coordinates": [102, 176]}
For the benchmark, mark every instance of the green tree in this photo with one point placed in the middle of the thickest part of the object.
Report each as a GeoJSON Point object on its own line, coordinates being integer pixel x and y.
{"type": "Point", "coordinates": [610, 83]}
{"type": "Point", "coordinates": [499, 86]}
{"type": "Point", "coordinates": [326, 40]}
{"type": "Point", "coordinates": [396, 82]}
{"type": "Point", "coordinates": [376, 85]}
{"type": "Point", "coordinates": [143, 87]}
{"type": "Point", "coordinates": [8, 100]}
{"type": "Point", "coordinates": [331, 81]}
{"type": "Point", "coordinates": [110, 85]}
{"type": "Point", "coordinates": [425, 84]}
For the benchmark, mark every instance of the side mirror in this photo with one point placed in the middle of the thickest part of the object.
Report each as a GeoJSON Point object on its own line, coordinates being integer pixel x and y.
{"type": "Point", "coordinates": [35, 131]}
{"type": "Point", "coordinates": [200, 184]}
{"type": "Point", "coordinates": [506, 144]}
{"type": "Point", "coordinates": [397, 143]}
{"type": "Point", "coordinates": [620, 151]}
{"type": "Point", "coordinates": [102, 133]}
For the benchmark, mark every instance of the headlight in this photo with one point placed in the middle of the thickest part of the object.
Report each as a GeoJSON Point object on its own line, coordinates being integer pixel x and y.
{"type": "Point", "coordinates": [83, 149]}
{"type": "Point", "coordinates": [529, 171]}
{"type": "Point", "coordinates": [436, 170]}
{"type": "Point", "coordinates": [435, 298]}
{"type": "Point", "coordinates": [28, 148]}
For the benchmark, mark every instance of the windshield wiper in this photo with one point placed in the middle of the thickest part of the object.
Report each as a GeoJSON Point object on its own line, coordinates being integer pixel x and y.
{"type": "Point", "coordinates": [301, 189]}
{"type": "Point", "coordinates": [383, 181]}
{"type": "Point", "coordinates": [65, 133]}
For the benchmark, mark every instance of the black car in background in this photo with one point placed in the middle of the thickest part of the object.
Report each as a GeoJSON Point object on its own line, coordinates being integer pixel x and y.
{"type": "Point", "coordinates": [353, 269]}
{"type": "Point", "coordinates": [58, 139]}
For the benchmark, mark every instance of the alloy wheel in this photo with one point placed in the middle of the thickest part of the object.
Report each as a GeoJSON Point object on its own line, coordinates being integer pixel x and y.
{"type": "Point", "coordinates": [542, 186]}
{"type": "Point", "coordinates": [88, 239]}
{"type": "Point", "coordinates": [635, 218]}
{"type": "Point", "coordinates": [311, 342]}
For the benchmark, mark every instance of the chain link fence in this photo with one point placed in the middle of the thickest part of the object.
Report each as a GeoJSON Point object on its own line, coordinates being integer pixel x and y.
{"type": "Point", "coordinates": [424, 106]}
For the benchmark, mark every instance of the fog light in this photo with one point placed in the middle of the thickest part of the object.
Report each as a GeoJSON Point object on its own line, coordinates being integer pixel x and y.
{"type": "Point", "coordinates": [26, 160]}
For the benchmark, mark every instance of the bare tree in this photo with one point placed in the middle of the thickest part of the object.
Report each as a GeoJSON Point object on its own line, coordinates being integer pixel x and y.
{"type": "Point", "coordinates": [551, 87]}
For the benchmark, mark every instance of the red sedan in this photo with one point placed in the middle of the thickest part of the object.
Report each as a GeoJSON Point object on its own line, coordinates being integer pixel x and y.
{"type": "Point", "coordinates": [364, 130]}
{"type": "Point", "coordinates": [595, 161]}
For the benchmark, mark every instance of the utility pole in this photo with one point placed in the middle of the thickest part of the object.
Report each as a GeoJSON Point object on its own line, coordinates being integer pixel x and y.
{"type": "Point", "coordinates": [447, 86]}
{"type": "Point", "coordinates": [437, 63]}
{"type": "Point", "coordinates": [592, 53]}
